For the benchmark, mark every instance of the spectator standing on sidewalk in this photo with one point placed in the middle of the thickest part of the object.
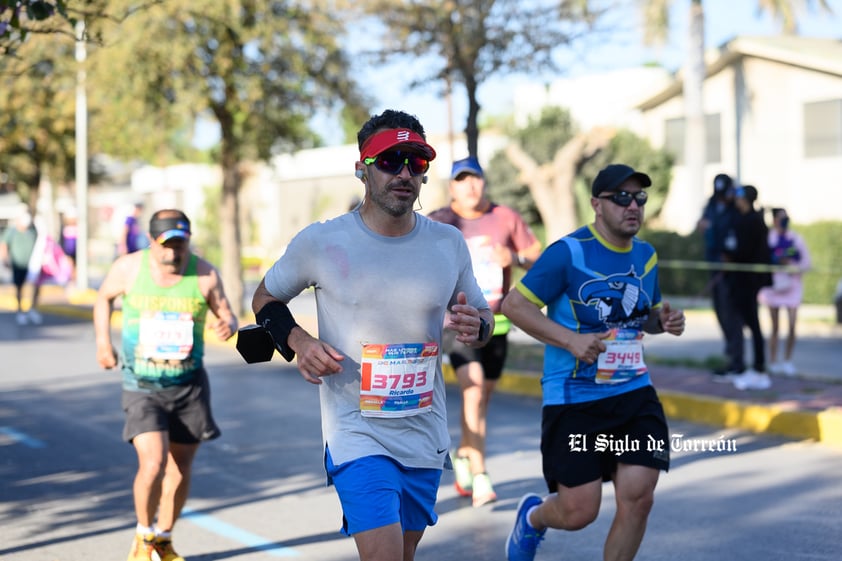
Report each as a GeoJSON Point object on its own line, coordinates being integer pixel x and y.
{"type": "Point", "coordinates": [788, 249]}
{"type": "Point", "coordinates": [715, 224]}
{"type": "Point", "coordinates": [166, 292]}
{"type": "Point", "coordinates": [384, 277]}
{"type": "Point", "coordinates": [498, 239]}
{"type": "Point", "coordinates": [600, 287]}
{"type": "Point", "coordinates": [17, 248]}
{"type": "Point", "coordinates": [748, 245]}
{"type": "Point", "coordinates": [68, 238]}
{"type": "Point", "coordinates": [131, 237]}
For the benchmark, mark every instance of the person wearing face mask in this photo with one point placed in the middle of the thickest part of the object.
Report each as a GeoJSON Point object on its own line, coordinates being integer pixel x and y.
{"type": "Point", "coordinates": [747, 246]}
{"type": "Point", "coordinates": [600, 288]}
{"type": "Point", "coordinates": [788, 250]}
{"type": "Point", "coordinates": [166, 293]}
{"type": "Point", "coordinates": [715, 224]}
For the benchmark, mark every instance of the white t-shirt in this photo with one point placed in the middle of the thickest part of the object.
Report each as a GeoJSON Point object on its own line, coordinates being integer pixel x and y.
{"type": "Point", "coordinates": [372, 289]}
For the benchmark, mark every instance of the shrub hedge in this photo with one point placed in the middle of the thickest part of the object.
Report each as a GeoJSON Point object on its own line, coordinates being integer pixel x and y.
{"type": "Point", "coordinates": [683, 272]}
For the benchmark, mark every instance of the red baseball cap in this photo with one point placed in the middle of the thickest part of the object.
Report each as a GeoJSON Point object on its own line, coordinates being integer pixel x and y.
{"type": "Point", "coordinates": [383, 140]}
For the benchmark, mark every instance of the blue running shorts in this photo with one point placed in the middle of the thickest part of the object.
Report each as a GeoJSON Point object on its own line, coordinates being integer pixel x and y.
{"type": "Point", "coordinates": [376, 491]}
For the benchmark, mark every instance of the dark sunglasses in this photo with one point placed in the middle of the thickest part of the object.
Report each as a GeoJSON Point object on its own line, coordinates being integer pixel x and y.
{"type": "Point", "coordinates": [624, 198]}
{"type": "Point", "coordinates": [392, 162]}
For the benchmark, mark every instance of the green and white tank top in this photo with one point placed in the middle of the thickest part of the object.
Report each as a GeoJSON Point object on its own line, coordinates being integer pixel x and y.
{"type": "Point", "coordinates": [163, 330]}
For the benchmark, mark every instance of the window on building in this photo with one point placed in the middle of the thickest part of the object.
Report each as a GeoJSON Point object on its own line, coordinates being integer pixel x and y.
{"type": "Point", "coordinates": [713, 138]}
{"type": "Point", "coordinates": [823, 128]}
{"type": "Point", "coordinates": [674, 139]}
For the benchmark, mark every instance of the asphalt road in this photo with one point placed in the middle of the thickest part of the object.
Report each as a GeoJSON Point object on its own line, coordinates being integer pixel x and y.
{"type": "Point", "coordinates": [259, 493]}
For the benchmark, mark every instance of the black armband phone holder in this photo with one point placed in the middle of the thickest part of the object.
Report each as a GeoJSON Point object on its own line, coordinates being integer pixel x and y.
{"type": "Point", "coordinates": [257, 343]}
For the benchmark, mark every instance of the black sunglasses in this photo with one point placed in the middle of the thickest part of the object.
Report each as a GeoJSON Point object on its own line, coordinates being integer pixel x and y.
{"type": "Point", "coordinates": [392, 162]}
{"type": "Point", "coordinates": [624, 198]}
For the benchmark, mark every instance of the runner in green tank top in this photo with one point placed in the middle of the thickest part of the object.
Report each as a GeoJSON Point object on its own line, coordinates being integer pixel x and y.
{"type": "Point", "coordinates": [162, 329]}
{"type": "Point", "coordinates": [167, 292]}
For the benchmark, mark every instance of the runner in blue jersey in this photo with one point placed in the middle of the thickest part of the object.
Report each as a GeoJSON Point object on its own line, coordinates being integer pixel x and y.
{"type": "Point", "coordinates": [602, 419]}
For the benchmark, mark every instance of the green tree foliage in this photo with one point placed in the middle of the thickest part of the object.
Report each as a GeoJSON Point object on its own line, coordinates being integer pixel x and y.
{"type": "Point", "coordinates": [503, 187]}
{"type": "Point", "coordinates": [820, 282]}
{"type": "Point", "coordinates": [260, 70]}
{"type": "Point", "coordinates": [38, 78]}
{"type": "Point", "coordinates": [628, 148]}
{"type": "Point", "coordinates": [541, 138]}
{"type": "Point", "coordinates": [675, 251]}
{"type": "Point", "coordinates": [20, 17]}
{"type": "Point", "coordinates": [37, 114]}
{"type": "Point", "coordinates": [468, 41]}
{"type": "Point", "coordinates": [678, 256]}
{"type": "Point", "coordinates": [544, 135]}
{"type": "Point", "coordinates": [557, 164]}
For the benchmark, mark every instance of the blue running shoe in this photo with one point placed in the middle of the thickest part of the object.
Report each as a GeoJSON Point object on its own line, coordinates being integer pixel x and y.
{"type": "Point", "coordinates": [524, 539]}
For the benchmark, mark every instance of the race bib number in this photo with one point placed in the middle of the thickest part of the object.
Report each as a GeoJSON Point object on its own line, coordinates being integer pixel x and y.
{"type": "Point", "coordinates": [623, 357]}
{"type": "Point", "coordinates": [488, 273]}
{"type": "Point", "coordinates": [397, 380]}
{"type": "Point", "coordinates": [166, 335]}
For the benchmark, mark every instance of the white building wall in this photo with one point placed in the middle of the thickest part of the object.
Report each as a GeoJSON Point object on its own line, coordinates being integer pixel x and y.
{"type": "Point", "coordinates": [770, 129]}
{"type": "Point", "coordinates": [773, 147]}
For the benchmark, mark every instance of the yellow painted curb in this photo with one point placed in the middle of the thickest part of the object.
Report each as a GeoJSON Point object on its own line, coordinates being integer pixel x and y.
{"type": "Point", "coordinates": [820, 426]}
{"type": "Point", "coordinates": [511, 382]}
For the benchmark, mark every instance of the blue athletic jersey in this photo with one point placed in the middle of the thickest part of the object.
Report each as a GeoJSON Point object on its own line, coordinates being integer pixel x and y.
{"type": "Point", "coordinates": [591, 286]}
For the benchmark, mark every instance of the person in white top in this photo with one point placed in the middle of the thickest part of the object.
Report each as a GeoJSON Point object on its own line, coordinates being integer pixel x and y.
{"type": "Point", "coordinates": [384, 278]}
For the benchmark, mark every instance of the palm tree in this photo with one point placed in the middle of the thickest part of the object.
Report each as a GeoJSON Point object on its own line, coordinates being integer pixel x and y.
{"type": "Point", "coordinates": [656, 24]}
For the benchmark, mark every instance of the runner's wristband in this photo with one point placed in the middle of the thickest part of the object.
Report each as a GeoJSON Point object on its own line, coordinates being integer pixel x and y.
{"type": "Point", "coordinates": [276, 318]}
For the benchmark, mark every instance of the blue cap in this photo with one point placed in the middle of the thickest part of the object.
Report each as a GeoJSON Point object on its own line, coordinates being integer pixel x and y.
{"type": "Point", "coordinates": [468, 165]}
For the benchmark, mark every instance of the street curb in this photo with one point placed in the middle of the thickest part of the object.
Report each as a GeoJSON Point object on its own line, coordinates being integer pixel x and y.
{"type": "Point", "coordinates": [819, 426]}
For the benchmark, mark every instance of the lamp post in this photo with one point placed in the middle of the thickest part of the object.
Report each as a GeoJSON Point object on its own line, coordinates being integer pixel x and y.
{"type": "Point", "coordinates": [81, 161]}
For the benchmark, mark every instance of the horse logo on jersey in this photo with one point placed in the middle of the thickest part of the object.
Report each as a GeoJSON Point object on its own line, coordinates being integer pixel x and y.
{"type": "Point", "coordinates": [619, 299]}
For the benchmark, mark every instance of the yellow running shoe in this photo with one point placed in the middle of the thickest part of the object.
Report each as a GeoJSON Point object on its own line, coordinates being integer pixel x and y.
{"type": "Point", "coordinates": [483, 492]}
{"type": "Point", "coordinates": [462, 474]}
{"type": "Point", "coordinates": [142, 548]}
{"type": "Point", "coordinates": [163, 547]}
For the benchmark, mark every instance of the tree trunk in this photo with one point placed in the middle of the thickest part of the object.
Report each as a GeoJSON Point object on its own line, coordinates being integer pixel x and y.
{"type": "Point", "coordinates": [694, 140]}
{"type": "Point", "coordinates": [471, 127]}
{"type": "Point", "coordinates": [229, 229]}
{"type": "Point", "coordinates": [551, 185]}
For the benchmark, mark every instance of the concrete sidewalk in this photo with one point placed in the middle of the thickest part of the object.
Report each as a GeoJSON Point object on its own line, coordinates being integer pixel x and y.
{"type": "Point", "coordinates": [807, 406]}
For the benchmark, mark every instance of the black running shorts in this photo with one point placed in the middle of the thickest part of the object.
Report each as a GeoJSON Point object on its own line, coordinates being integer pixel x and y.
{"type": "Point", "coordinates": [182, 411]}
{"type": "Point", "coordinates": [492, 355]}
{"type": "Point", "coordinates": [583, 442]}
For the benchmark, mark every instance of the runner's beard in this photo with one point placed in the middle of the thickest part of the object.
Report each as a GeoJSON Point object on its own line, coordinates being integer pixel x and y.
{"type": "Point", "coordinates": [174, 264]}
{"type": "Point", "coordinates": [394, 205]}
